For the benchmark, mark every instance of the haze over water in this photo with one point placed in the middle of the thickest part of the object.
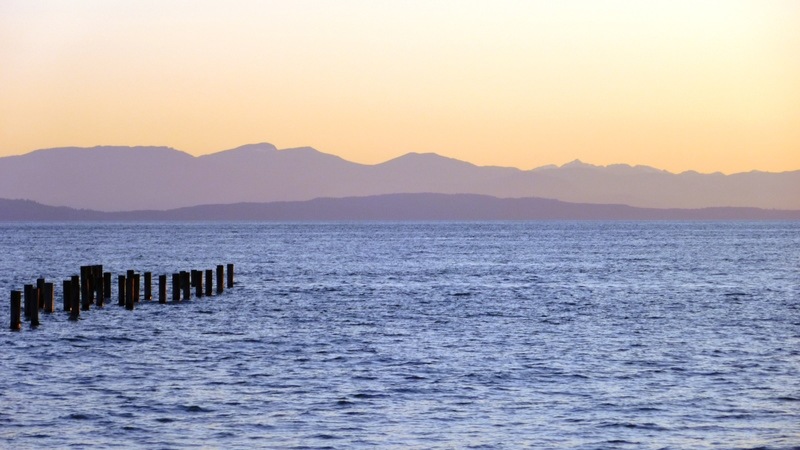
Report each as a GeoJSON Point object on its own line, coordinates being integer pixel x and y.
{"type": "Point", "coordinates": [434, 335]}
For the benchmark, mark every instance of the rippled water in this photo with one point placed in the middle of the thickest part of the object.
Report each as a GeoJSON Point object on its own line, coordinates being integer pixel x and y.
{"type": "Point", "coordinates": [440, 335]}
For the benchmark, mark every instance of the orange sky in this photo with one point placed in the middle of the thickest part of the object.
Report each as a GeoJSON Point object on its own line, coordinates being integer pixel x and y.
{"type": "Point", "coordinates": [679, 85]}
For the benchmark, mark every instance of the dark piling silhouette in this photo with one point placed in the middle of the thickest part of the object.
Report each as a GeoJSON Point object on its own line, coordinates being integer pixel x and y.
{"type": "Point", "coordinates": [176, 287]}
{"type": "Point", "coordinates": [129, 292]}
{"type": "Point", "coordinates": [197, 282]}
{"type": "Point", "coordinates": [35, 294]}
{"type": "Point", "coordinates": [121, 289]}
{"type": "Point", "coordinates": [48, 297]}
{"type": "Point", "coordinates": [185, 285]}
{"type": "Point", "coordinates": [75, 298]}
{"type": "Point", "coordinates": [93, 286]}
{"type": "Point", "coordinates": [27, 294]}
{"type": "Point", "coordinates": [137, 284]}
{"type": "Point", "coordinates": [162, 289]}
{"type": "Point", "coordinates": [148, 286]}
{"type": "Point", "coordinates": [99, 286]}
{"type": "Point", "coordinates": [107, 285]}
{"type": "Point", "coordinates": [16, 310]}
{"type": "Point", "coordinates": [209, 282]}
{"type": "Point", "coordinates": [40, 286]}
{"type": "Point", "coordinates": [220, 279]}
{"type": "Point", "coordinates": [67, 289]}
{"type": "Point", "coordinates": [84, 280]}
{"type": "Point", "coordinates": [87, 293]}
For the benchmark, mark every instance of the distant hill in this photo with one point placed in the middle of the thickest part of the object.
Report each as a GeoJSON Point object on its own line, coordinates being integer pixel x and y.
{"type": "Point", "coordinates": [392, 207]}
{"type": "Point", "coordinates": [160, 178]}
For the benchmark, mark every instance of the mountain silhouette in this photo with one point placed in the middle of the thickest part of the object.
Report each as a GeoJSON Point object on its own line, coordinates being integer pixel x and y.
{"type": "Point", "coordinates": [161, 178]}
{"type": "Point", "coordinates": [392, 207]}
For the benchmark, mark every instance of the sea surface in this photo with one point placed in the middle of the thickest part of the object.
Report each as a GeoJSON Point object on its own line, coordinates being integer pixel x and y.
{"type": "Point", "coordinates": [588, 335]}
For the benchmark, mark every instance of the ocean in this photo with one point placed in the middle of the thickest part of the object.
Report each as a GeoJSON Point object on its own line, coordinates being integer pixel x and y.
{"type": "Point", "coordinates": [587, 335]}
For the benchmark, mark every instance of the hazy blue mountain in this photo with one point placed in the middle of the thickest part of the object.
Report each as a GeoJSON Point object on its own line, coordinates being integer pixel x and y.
{"type": "Point", "coordinates": [136, 178]}
{"type": "Point", "coordinates": [393, 207]}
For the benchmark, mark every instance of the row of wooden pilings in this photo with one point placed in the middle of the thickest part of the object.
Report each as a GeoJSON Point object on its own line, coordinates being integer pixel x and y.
{"type": "Point", "coordinates": [93, 287]}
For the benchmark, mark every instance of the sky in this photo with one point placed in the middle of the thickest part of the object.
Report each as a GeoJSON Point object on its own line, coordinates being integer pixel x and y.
{"type": "Point", "coordinates": [678, 85]}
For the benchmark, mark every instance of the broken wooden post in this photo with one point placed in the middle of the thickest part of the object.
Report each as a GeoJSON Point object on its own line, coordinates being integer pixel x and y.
{"type": "Point", "coordinates": [220, 279]}
{"type": "Point", "coordinates": [129, 291]}
{"type": "Point", "coordinates": [162, 289]}
{"type": "Point", "coordinates": [137, 284]}
{"type": "Point", "coordinates": [230, 275]}
{"type": "Point", "coordinates": [75, 298]}
{"type": "Point", "coordinates": [40, 286]}
{"type": "Point", "coordinates": [197, 281]}
{"type": "Point", "coordinates": [107, 284]}
{"type": "Point", "coordinates": [99, 292]}
{"type": "Point", "coordinates": [86, 301]}
{"type": "Point", "coordinates": [48, 300]}
{"type": "Point", "coordinates": [185, 285]}
{"type": "Point", "coordinates": [84, 277]}
{"type": "Point", "coordinates": [121, 288]}
{"type": "Point", "coordinates": [209, 282]}
{"type": "Point", "coordinates": [176, 287]}
{"type": "Point", "coordinates": [87, 287]}
{"type": "Point", "coordinates": [148, 286]}
{"type": "Point", "coordinates": [16, 310]}
{"type": "Point", "coordinates": [27, 294]}
{"type": "Point", "coordinates": [99, 286]}
{"type": "Point", "coordinates": [35, 307]}
{"type": "Point", "coordinates": [67, 285]}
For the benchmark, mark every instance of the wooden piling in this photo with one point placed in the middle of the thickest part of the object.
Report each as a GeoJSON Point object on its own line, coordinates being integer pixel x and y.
{"type": "Point", "coordinates": [40, 286]}
{"type": "Point", "coordinates": [67, 286]}
{"type": "Point", "coordinates": [84, 277]}
{"type": "Point", "coordinates": [27, 295]}
{"type": "Point", "coordinates": [220, 279]}
{"type": "Point", "coordinates": [209, 282]}
{"type": "Point", "coordinates": [148, 286]}
{"type": "Point", "coordinates": [48, 300]}
{"type": "Point", "coordinates": [230, 275]}
{"type": "Point", "coordinates": [87, 287]}
{"type": "Point", "coordinates": [176, 287]}
{"type": "Point", "coordinates": [107, 284]}
{"type": "Point", "coordinates": [121, 290]}
{"type": "Point", "coordinates": [162, 289]}
{"type": "Point", "coordinates": [16, 310]}
{"type": "Point", "coordinates": [197, 276]}
{"type": "Point", "coordinates": [99, 286]}
{"type": "Point", "coordinates": [137, 284]}
{"type": "Point", "coordinates": [185, 285]}
{"type": "Point", "coordinates": [90, 290]}
{"type": "Point", "coordinates": [88, 297]}
{"type": "Point", "coordinates": [129, 284]}
{"type": "Point", "coordinates": [35, 307]}
{"type": "Point", "coordinates": [75, 298]}
{"type": "Point", "coordinates": [129, 291]}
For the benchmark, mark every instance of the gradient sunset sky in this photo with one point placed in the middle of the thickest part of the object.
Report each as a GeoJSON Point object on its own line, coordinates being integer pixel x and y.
{"type": "Point", "coordinates": [679, 85]}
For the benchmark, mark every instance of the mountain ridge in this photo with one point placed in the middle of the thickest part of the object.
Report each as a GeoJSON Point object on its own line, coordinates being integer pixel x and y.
{"type": "Point", "coordinates": [390, 207]}
{"type": "Point", "coordinates": [119, 178]}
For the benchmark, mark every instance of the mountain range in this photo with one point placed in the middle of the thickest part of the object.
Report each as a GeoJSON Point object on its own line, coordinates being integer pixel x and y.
{"type": "Point", "coordinates": [391, 207]}
{"type": "Point", "coordinates": [161, 178]}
